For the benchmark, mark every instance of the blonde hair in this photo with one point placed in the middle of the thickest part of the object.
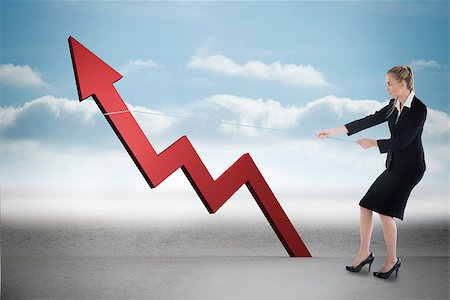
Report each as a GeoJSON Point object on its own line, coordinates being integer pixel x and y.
{"type": "Point", "coordinates": [401, 73]}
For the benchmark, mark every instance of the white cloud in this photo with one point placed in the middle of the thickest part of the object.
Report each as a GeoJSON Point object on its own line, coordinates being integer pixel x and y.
{"type": "Point", "coordinates": [137, 65]}
{"type": "Point", "coordinates": [20, 76]}
{"type": "Point", "coordinates": [257, 112]}
{"type": "Point", "coordinates": [437, 125]}
{"type": "Point", "coordinates": [57, 107]}
{"type": "Point", "coordinates": [303, 119]}
{"type": "Point", "coordinates": [421, 64]}
{"type": "Point", "coordinates": [49, 113]}
{"type": "Point", "coordinates": [289, 74]}
{"type": "Point", "coordinates": [345, 106]}
{"type": "Point", "coordinates": [61, 121]}
{"type": "Point", "coordinates": [49, 132]}
{"type": "Point", "coordinates": [153, 124]}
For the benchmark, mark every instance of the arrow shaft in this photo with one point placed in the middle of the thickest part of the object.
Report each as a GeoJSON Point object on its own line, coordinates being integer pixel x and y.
{"type": "Point", "coordinates": [181, 154]}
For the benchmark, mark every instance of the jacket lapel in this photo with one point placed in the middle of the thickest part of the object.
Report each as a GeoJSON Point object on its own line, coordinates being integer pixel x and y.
{"type": "Point", "coordinates": [402, 120]}
{"type": "Point", "coordinates": [392, 119]}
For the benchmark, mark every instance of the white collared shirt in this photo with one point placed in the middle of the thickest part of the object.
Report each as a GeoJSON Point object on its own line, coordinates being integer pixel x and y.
{"type": "Point", "coordinates": [407, 104]}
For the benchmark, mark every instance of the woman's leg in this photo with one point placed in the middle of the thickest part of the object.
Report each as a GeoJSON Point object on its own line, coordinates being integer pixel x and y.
{"type": "Point", "coordinates": [390, 238]}
{"type": "Point", "coordinates": [365, 234]}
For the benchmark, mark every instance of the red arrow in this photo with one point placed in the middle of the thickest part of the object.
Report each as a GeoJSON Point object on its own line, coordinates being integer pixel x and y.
{"type": "Point", "coordinates": [95, 78]}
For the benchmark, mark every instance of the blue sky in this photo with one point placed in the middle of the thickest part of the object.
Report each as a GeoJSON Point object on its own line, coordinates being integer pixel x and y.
{"type": "Point", "coordinates": [300, 66]}
{"type": "Point", "coordinates": [351, 44]}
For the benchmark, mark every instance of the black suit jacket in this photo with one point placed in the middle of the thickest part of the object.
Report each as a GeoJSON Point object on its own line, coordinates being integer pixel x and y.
{"type": "Point", "coordinates": [404, 149]}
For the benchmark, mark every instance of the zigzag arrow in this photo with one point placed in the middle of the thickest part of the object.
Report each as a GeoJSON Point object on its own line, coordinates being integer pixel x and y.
{"type": "Point", "coordinates": [95, 78]}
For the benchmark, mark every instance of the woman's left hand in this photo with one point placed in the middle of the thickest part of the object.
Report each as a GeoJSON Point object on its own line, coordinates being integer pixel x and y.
{"type": "Point", "coordinates": [367, 143]}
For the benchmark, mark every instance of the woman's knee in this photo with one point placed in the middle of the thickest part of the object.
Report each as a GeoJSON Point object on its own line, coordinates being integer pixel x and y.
{"type": "Point", "coordinates": [386, 218]}
{"type": "Point", "coordinates": [365, 210]}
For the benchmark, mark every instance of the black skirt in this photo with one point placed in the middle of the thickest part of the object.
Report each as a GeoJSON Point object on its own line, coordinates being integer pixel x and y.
{"type": "Point", "coordinates": [390, 191]}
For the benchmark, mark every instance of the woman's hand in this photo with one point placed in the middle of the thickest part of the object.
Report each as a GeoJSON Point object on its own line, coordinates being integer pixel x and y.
{"type": "Point", "coordinates": [332, 131]}
{"type": "Point", "coordinates": [324, 133]}
{"type": "Point", "coordinates": [367, 143]}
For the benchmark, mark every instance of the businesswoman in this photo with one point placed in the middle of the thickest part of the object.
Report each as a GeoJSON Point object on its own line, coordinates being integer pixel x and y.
{"type": "Point", "coordinates": [405, 166]}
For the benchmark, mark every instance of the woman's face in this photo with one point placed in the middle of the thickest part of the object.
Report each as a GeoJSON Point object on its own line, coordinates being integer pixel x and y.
{"type": "Point", "coordinates": [393, 87]}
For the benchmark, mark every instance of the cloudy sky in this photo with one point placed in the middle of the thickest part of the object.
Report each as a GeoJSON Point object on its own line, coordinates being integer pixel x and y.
{"type": "Point", "coordinates": [297, 66]}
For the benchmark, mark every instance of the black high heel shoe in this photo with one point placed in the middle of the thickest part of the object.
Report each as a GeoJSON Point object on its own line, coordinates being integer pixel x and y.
{"type": "Point", "coordinates": [385, 275]}
{"type": "Point", "coordinates": [368, 260]}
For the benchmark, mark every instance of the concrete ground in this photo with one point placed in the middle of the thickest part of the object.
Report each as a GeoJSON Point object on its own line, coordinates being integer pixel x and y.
{"type": "Point", "coordinates": [217, 278]}
{"type": "Point", "coordinates": [158, 253]}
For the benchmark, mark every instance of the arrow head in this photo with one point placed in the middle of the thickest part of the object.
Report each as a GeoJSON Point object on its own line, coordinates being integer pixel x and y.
{"type": "Point", "coordinates": [91, 73]}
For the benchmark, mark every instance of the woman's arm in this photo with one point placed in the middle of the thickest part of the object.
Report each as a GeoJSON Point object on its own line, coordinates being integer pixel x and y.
{"type": "Point", "coordinates": [358, 125]}
{"type": "Point", "coordinates": [365, 143]}
{"type": "Point", "coordinates": [374, 119]}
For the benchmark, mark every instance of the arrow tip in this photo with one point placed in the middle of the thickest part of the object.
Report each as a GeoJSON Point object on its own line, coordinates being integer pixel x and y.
{"type": "Point", "coordinates": [91, 73]}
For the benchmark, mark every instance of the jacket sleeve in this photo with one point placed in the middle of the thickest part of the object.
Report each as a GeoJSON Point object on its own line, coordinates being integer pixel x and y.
{"type": "Point", "coordinates": [377, 118]}
{"type": "Point", "coordinates": [415, 124]}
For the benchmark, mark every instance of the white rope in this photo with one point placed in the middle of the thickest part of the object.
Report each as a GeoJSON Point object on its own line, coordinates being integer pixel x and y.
{"type": "Point", "coordinates": [339, 139]}
{"type": "Point", "coordinates": [213, 121]}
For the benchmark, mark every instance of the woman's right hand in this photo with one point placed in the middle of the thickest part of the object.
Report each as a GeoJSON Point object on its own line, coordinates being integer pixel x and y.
{"type": "Point", "coordinates": [331, 131]}
{"type": "Point", "coordinates": [324, 133]}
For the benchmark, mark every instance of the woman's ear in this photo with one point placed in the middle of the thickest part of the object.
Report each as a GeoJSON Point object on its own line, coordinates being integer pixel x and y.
{"type": "Point", "coordinates": [403, 84]}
